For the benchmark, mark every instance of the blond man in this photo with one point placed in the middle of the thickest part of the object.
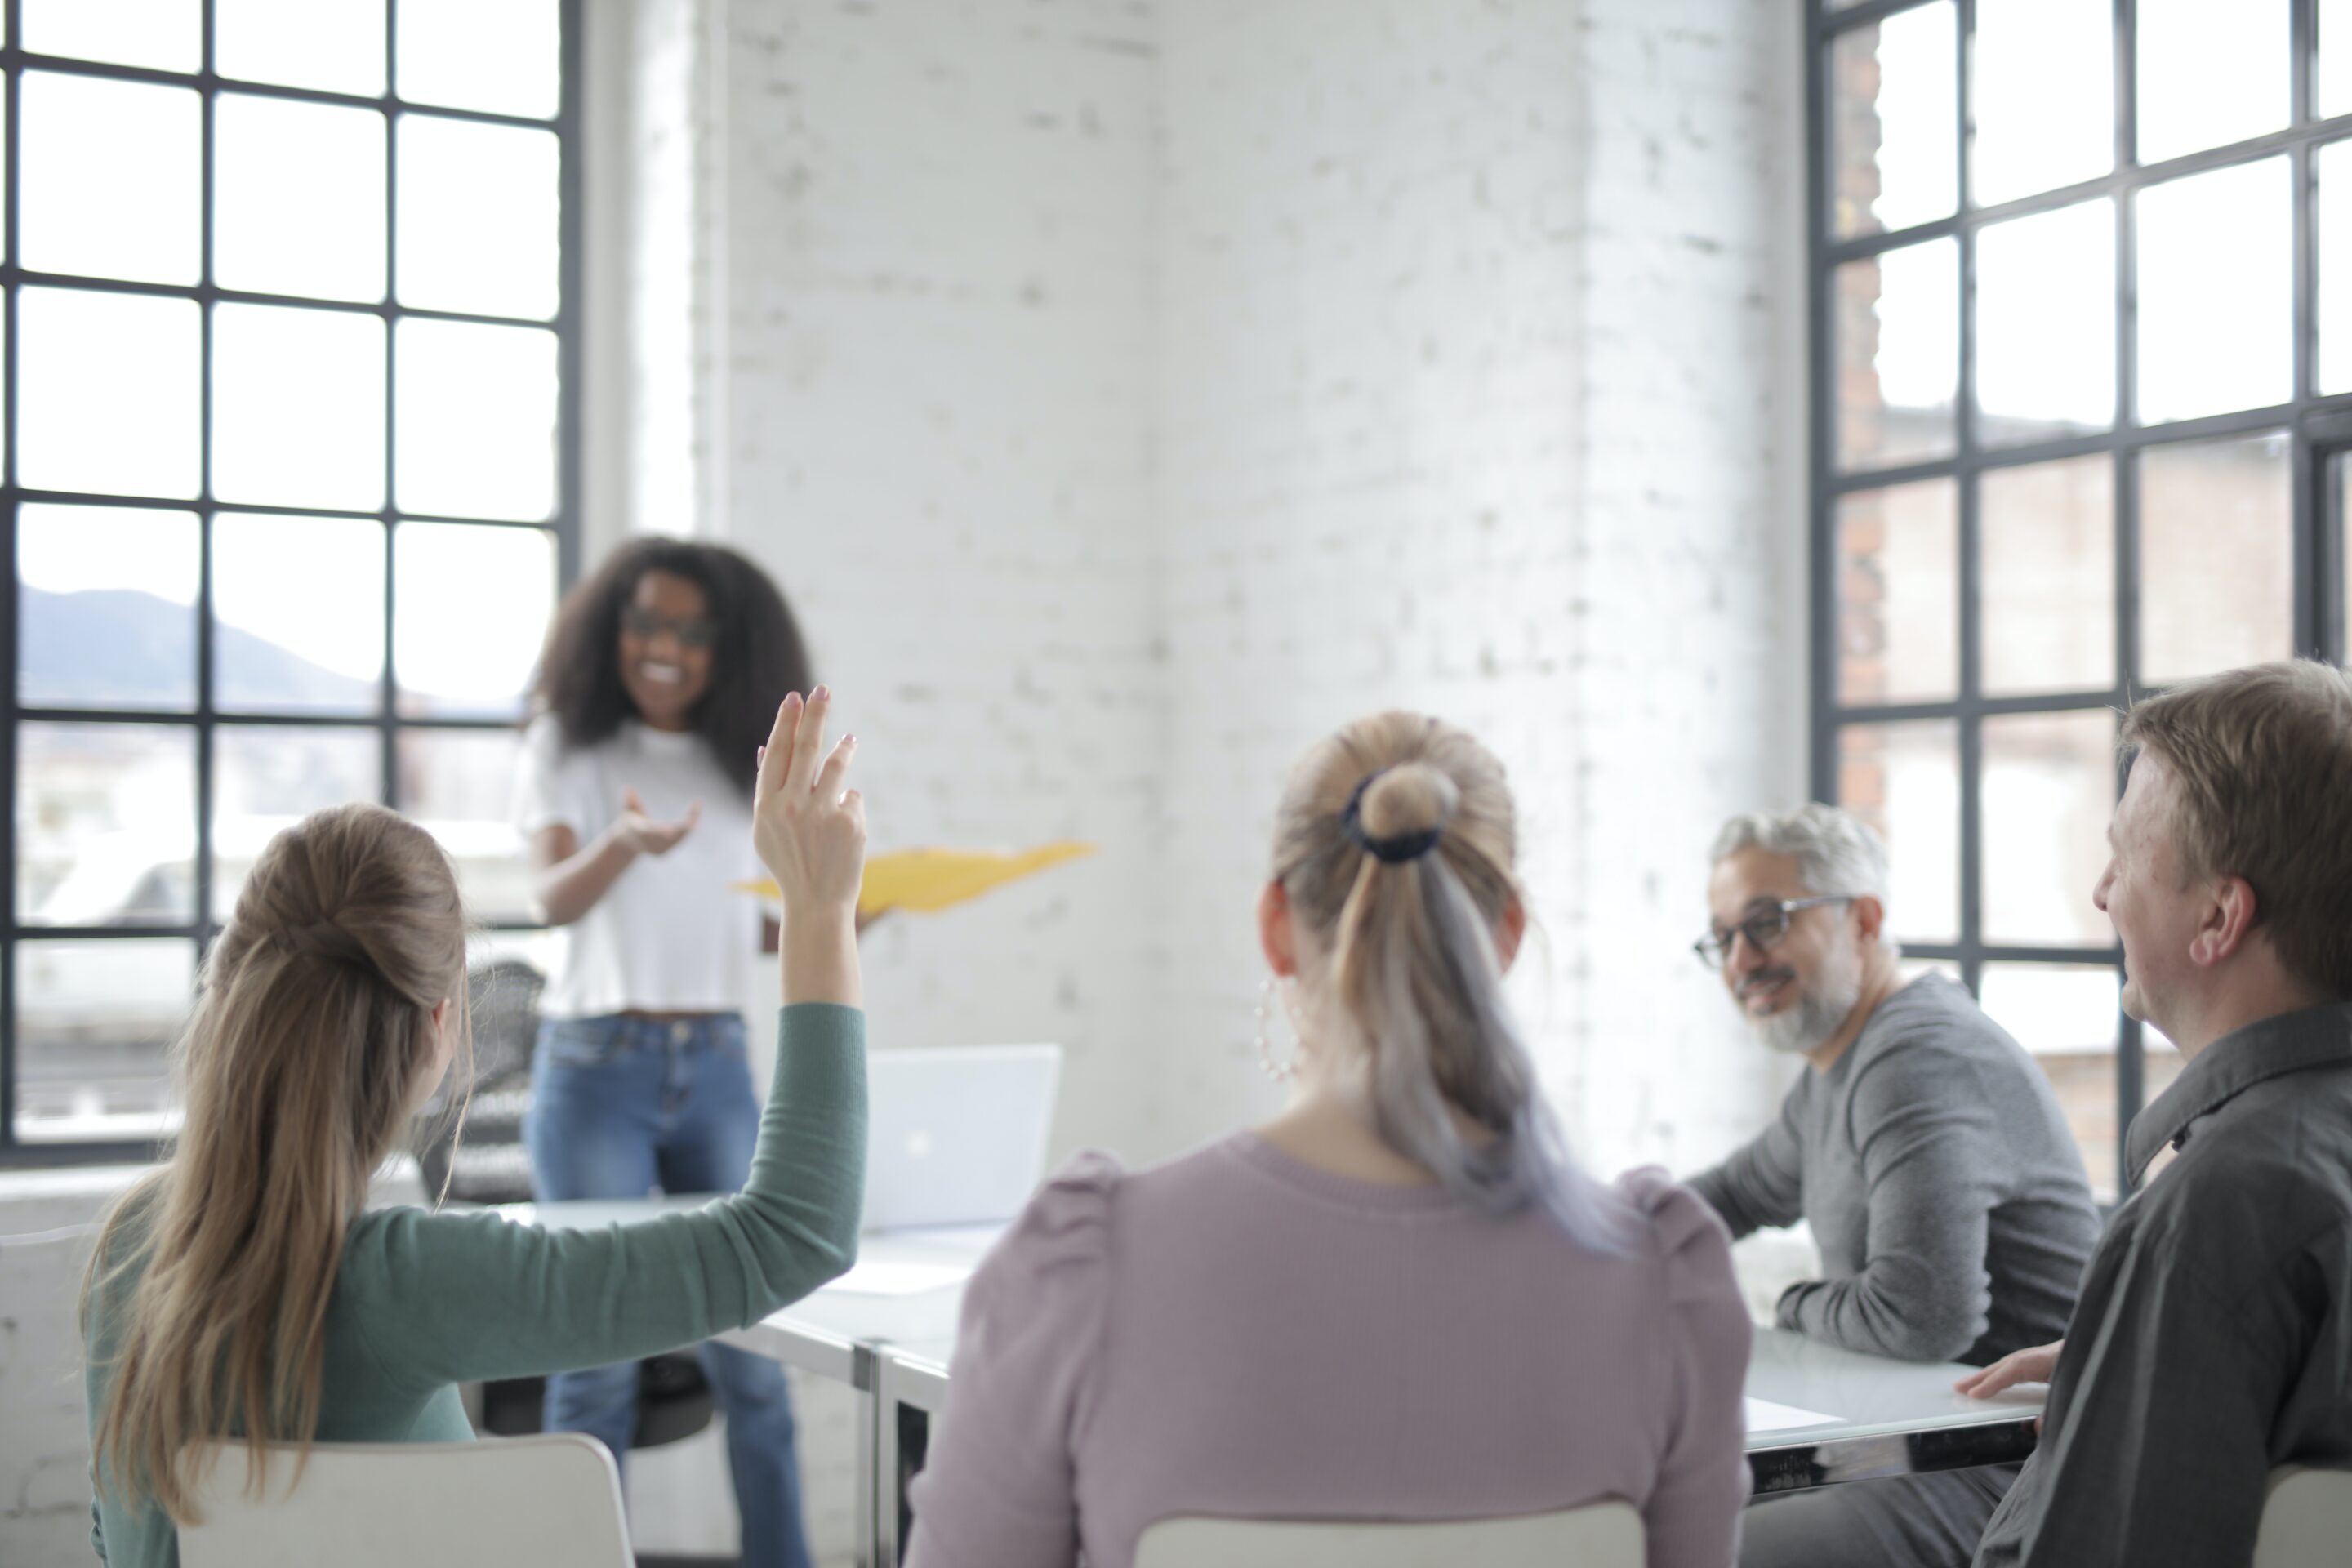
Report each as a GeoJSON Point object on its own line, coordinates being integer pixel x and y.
{"type": "Point", "coordinates": [2213, 1337]}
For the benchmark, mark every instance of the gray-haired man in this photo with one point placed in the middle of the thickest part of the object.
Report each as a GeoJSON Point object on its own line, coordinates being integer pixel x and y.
{"type": "Point", "coordinates": [1924, 1147]}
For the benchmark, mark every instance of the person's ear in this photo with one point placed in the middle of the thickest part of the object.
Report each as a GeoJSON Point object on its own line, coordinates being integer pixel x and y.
{"type": "Point", "coordinates": [445, 1036]}
{"type": "Point", "coordinates": [1869, 919]}
{"type": "Point", "coordinates": [2225, 923]}
{"type": "Point", "coordinates": [1509, 932]}
{"type": "Point", "coordinates": [1275, 936]}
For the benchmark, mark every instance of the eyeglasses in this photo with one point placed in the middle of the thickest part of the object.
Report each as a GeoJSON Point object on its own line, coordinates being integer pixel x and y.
{"type": "Point", "coordinates": [692, 631]}
{"type": "Point", "coordinates": [1763, 929]}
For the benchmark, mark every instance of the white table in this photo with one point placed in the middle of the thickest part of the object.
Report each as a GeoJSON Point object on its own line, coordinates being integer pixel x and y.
{"type": "Point", "coordinates": [1881, 1418]}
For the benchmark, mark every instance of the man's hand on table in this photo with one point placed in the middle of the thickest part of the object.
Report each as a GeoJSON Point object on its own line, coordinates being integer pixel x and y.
{"type": "Point", "coordinates": [2032, 1365]}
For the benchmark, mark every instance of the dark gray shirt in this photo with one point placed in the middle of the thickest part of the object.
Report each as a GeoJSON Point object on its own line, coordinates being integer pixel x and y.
{"type": "Point", "coordinates": [1943, 1189]}
{"type": "Point", "coordinates": [2214, 1338]}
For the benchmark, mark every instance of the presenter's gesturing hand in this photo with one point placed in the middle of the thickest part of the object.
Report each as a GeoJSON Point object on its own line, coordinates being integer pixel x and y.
{"type": "Point", "coordinates": [645, 834]}
{"type": "Point", "coordinates": [809, 831]}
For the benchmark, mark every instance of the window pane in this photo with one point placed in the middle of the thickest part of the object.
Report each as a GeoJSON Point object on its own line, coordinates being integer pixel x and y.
{"type": "Point", "coordinates": [2210, 75]}
{"type": "Point", "coordinates": [302, 43]}
{"type": "Point", "coordinates": [266, 778]}
{"type": "Point", "coordinates": [2217, 564]}
{"type": "Point", "coordinates": [107, 393]}
{"type": "Point", "coordinates": [459, 784]}
{"type": "Point", "coordinates": [472, 606]}
{"type": "Point", "coordinates": [2046, 325]}
{"type": "Point", "coordinates": [2046, 534]}
{"type": "Point", "coordinates": [94, 1022]}
{"type": "Point", "coordinates": [106, 606]}
{"type": "Point", "coordinates": [2216, 317]}
{"type": "Point", "coordinates": [162, 35]}
{"type": "Point", "coordinates": [2049, 789]}
{"type": "Point", "coordinates": [106, 823]}
{"type": "Point", "coordinates": [297, 191]}
{"type": "Point", "coordinates": [112, 178]}
{"type": "Point", "coordinates": [298, 406]}
{"type": "Point", "coordinates": [300, 606]}
{"type": "Point", "coordinates": [1898, 588]}
{"type": "Point", "coordinates": [1893, 121]}
{"type": "Point", "coordinates": [1898, 355]}
{"type": "Point", "coordinates": [503, 56]}
{"type": "Point", "coordinates": [2333, 165]}
{"type": "Point", "coordinates": [2045, 104]}
{"type": "Point", "coordinates": [478, 217]}
{"type": "Point", "coordinates": [1904, 781]}
{"type": "Point", "coordinates": [476, 435]}
{"type": "Point", "coordinates": [2067, 1015]}
{"type": "Point", "coordinates": [2334, 94]}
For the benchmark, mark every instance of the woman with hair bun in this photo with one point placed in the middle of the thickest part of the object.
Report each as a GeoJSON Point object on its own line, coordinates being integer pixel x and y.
{"type": "Point", "coordinates": [658, 680]}
{"type": "Point", "coordinates": [1399, 1299]}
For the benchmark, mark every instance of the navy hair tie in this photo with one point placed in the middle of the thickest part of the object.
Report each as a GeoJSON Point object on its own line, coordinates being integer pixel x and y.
{"type": "Point", "coordinates": [1394, 851]}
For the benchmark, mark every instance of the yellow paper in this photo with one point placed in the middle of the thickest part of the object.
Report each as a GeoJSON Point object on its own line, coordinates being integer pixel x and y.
{"type": "Point", "coordinates": [928, 880]}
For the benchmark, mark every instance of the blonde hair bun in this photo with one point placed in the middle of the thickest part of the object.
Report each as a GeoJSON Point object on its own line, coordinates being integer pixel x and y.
{"type": "Point", "coordinates": [1410, 798]}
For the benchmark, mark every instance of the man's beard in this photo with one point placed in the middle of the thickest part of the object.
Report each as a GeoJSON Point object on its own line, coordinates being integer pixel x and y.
{"type": "Point", "coordinates": [1820, 1011]}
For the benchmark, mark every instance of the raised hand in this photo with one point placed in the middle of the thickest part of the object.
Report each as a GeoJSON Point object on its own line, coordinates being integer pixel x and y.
{"type": "Point", "coordinates": [809, 831]}
{"type": "Point", "coordinates": [642, 835]}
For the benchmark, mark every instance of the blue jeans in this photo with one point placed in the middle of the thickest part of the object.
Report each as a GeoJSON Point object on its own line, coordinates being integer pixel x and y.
{"type": "Point", "coordinates": [618, 1107]}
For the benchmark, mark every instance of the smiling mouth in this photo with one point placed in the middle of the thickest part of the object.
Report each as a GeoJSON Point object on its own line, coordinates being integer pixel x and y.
{"type": "Point", "coordinates": [1765, 986]}
{"type": "Point", "coordinates": [659, 673]}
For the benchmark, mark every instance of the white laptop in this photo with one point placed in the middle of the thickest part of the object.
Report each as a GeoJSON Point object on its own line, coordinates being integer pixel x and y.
{"type": "Point", "coordinates": [957, 1133]}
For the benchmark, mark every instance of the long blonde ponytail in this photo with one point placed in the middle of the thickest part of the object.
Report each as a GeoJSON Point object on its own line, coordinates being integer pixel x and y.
{"type": "Point", "coordinates": [312, 1027]}
{"type": "Point", "coordinates": [1394, 845]}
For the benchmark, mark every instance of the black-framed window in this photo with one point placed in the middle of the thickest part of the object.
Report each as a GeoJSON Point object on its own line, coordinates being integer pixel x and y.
{"type": "Point", "coordinates": [290, 355]}
{"type": "Point", "coordinates": [2081, 289]}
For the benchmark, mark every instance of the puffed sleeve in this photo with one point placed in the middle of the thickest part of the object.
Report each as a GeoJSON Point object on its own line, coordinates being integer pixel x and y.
{"type": "Point", "coordinates": [999, 1486]}
{"type": "Point", "coordinates": [1692, 1515]}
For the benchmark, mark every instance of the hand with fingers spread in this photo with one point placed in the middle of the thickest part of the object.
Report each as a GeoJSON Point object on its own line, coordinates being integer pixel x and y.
{"type": "Point", "coordinates": [643, 834]}
{"type": "Point", "coordinates": [810, 830]}
{"type": "Point", "coordinates": [2036, 1364]}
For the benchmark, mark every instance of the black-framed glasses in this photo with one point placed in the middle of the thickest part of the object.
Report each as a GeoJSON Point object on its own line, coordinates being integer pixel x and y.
{"type": "Point", "coordinates": [1763, 929]}
{"type": "Point", "coordinates": [692, 631]}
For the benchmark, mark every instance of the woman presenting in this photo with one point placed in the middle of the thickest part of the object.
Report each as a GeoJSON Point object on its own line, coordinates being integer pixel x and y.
{"type": "Point", "coordinates": [661, 674]}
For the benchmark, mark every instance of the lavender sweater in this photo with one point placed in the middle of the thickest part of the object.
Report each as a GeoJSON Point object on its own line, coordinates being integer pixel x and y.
{"type": "Point", "coordinates": [1238, 1334]}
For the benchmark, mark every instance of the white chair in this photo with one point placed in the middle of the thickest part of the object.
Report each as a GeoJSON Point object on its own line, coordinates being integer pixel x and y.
{"type": "Point", "coordinates": [1597, 1535]}
{"type": "Point", "coordinates": [497, 1503]}
{"type": "Point", "coordinates": [2306, 1519]}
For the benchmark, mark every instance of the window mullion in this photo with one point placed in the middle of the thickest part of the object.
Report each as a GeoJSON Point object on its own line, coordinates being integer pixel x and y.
{"type": "Point", "coordinates": [210, 97]}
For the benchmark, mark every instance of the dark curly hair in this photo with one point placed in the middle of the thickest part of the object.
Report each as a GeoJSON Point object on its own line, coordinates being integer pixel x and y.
{"type": "Point", "coordinates": [759, 656]}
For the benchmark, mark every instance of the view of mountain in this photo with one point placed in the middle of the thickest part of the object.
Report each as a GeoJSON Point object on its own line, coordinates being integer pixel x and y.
{"type": "Point", "coordinates": [117, 649]}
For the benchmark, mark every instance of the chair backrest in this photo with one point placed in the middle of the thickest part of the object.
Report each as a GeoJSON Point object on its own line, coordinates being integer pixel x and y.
{"type": "Point", "coordinates": [2306, 1519]}
{"type": "Point", "coordinates": [490, 1165]}
{"type": "Point", "coordinates": [491, 1504]}
{"type": "Point", "coordinates": [1597, 1535]}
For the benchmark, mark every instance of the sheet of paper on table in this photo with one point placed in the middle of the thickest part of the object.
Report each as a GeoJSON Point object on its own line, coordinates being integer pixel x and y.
{"type": "Point", "coordinates": [882, 1276]}
{"type": "Point", "coordinates": [1763, 1415]}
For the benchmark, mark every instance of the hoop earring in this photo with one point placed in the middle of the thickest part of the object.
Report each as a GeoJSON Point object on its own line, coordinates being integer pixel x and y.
{"type": "Point", "coordinates": [1276, 1070]}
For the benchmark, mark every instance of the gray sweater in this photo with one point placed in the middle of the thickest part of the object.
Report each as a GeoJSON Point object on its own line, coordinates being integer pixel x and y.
{"type": "Point", "coordinates": [1943, 1189]}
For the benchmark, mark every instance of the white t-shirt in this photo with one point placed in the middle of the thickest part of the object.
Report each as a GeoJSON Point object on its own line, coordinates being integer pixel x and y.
{"type": "Point", "coordinates": [671, 935]}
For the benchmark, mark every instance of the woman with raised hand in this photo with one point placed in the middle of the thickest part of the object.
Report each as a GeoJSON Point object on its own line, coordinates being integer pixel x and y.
{"type": "Point", "coordinates": [244, 1289]}
{"type": "Point", "coordinates": [1398, 1300]}
{"type": "Point", "coordinates": [659, 677]}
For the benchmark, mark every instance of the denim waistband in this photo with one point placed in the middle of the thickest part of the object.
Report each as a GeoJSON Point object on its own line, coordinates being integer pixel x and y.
{"type": "Point", "coordinates": [615, 1032]}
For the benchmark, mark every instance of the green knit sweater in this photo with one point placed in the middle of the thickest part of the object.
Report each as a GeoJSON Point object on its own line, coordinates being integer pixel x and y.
{"type": "Point", "coordinates": [425, 1301]}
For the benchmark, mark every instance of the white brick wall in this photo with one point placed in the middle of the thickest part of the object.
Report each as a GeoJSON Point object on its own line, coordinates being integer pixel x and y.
{"type": "Point", "coordinates": [1481, 394]}
{"type": "Point", "coordinates": [1126, 393]}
